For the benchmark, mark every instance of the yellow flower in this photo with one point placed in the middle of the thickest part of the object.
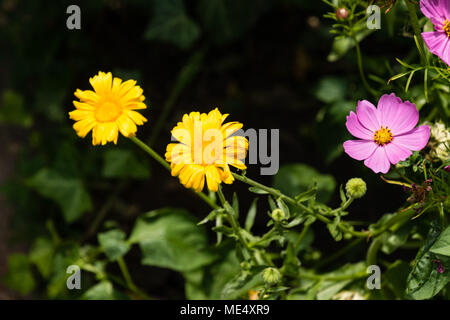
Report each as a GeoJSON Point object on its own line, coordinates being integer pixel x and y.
{"type": "Point", "coordinates": [108, 109]}
{"type": "Point", "coordinates": [206, 148]}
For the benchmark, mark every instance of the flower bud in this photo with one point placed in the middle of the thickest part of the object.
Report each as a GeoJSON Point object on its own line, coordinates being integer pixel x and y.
{"type": "Point", "coordinates": [278, 215]}
{"type": "Point", "coordinates": [271, 276]}
{"type": "Point", "coordinates": [342, 13]}
{"type": "Point", "coordinates": [356, 188]}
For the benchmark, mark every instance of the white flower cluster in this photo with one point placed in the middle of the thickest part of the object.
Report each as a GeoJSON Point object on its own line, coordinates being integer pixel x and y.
{"type": "Point", "coordinates": [441, 135]}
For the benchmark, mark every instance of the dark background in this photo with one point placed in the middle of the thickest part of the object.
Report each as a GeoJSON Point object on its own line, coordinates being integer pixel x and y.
{"type": "Point", "coordinates": [266, 73]}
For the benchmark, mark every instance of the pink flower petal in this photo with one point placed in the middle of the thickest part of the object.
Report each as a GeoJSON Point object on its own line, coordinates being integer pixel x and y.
{"type": "Point", "coordinates": [388, 107]}
{"type": "Point", "coordinates": [368, 115]}
{"type": "Point", "coordinates": [415, 139]}
{"type": "Point", "coordinates": [396, 153]}
{"type": "Point", "coordinates": [435, 9]}
{"type": "Point", "coordinates": [406, 118]}
{"type": "Point", "coordinates": [359, 149]}
{"type": "Point", "coordinates": [357, 129]}
{"type": "Point", "coordinates": [439, 44]}
{"type": "Point", "coordinates": [378, 161]}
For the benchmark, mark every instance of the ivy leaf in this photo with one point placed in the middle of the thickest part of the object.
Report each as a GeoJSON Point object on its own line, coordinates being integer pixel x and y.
{"type": "Point", "coordinates": [171, 23]}
{"type": "Point", "coordinates": [12, 110]}
{"type": "Point", "coordinates": [170, 238]}
{"type": "Point", "coordinates": [41, 255]}
{"type": "Point", "coordinates": [442, 245]}
{"type": "Point", "coordinates": [124, 164]}
{"type": "Point", "coordinates": [113, 244]}
{"type": "Point", "coordinates": [425, 281]}
{"type": "Point", "coordinates": [68, 193]}
{"type": "Point", "coordinates": [103, 290]}
{"type": "Point", "coordinates": [204, 283]}
{"type": "Point", "coordinates": [19, 275]}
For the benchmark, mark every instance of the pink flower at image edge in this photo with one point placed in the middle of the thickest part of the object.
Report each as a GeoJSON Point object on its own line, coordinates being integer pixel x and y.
{"type": "Point", "coordinates": [388, 132]}
{"type": "Point", "coordinates": [438, 41]}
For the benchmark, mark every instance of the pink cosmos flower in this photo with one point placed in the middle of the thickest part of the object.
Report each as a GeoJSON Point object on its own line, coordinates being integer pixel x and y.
{"type": "Point", "coordinates": [387, 133]}
{"type": "Point", "coordinates": [438, 11]}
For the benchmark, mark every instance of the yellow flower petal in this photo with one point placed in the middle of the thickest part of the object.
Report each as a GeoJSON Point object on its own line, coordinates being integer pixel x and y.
{"type": "Point", "coordinates": [108, 109]}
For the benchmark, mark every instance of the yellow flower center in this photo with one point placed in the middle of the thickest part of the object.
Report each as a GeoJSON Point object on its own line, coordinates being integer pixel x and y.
{"type": "Point", "coordinates": [108, 112]}
{"type": "Point", "coordinates": [382, 136]}
{"type": "Point", "coordinates": [447, 27]}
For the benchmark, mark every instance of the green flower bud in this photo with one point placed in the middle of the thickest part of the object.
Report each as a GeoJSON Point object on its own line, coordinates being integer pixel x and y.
{"type": "Point", "coordinates": [271, 276]}
{"type": "Point", "coordinates": [278, 215]}
{"type": "Point", "coordinates": [356, 188]}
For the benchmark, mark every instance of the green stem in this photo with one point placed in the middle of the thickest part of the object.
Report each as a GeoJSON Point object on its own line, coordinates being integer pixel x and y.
{"type": "Point", "coordinates": [373, 250]}
{"type": "Point", "coordinates": [361, 68]}
{"type": "Point", "coordinates": [272, 191]}
{"type": "Point", "coordinates": [416, 27]}
{"type": "Point", "coordinates": [291, 201]}
{"type": "Point", "coordinates": [187, 73]}
{"type": "Point", "coordinates": [301, 236]}
{"type": "Point", "coordinates": [166, 165]}
{"type": "Point", "coordinates": [151, 152]}
{"type": "Point", "coordinates": [233, 222]}
{"type": "Point", "coordinates": [312, 276]}
{"type": "Point", "coordinates": [103, 212]}
{"type": "Point", "coordinates": [339, 253]}
{"type": "Point", "coordinates": [129, 281]}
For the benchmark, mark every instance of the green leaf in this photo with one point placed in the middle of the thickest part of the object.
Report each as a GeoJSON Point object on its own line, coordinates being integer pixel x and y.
{"type": "Point", "coordinates": [239, 286]}
{"type": "Point", "coordinates": [235, 205]}
{"type": "Point", "coordinates": [68, 193]}
{"type": "Point", "coordinates": [297, 178]}
{"type": "Point", "coordinates": [331, 89]}
{"type": "Point", "coordinates": [19, 275]}
{"type": "Point", "coordinates": [257, 190]}
{"type": "Point", "coordinates": [250, 219]}
{"type": "Point", "coordinates": [170, 238]}
{"type": "Point", "coordinates": [395, 278]}
{"type": "Point", "coordinates": [12, 110]}
{"type": "Point", "coordinates": [41, 255]}
{"type": "Point", "coordinates": [342, 45]}
{"type": "Point", "coordinates": [305, 196]}
{"type": "Point", "coordinates": [393, 240]}
{"type": "Point", "coordinates": [103, 291]}
{"type": "Point", "coordinates": [124, 164]}
{"type": "Point", "coordinates": [205, 284]}
{"type": "Point", "coordinates": [424, 281]}
{"type": "Point", "coordinates": [171, 23]}
{"type": "Point", "coordinates": [66, 255]}
{"type": "Point", "coordinates": [335, 232]}
{"type": "Point", "coordinates": [442, 245]}
{"type": "Point", "coordinates": [113, 244]}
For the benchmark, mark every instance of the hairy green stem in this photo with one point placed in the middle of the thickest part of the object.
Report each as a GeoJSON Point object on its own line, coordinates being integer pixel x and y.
{"type": "Point", "coordinates": [291, 201]}
{"type": "Point", "coordinates": [166, 165]}
{"type": "Point", "coordinates": [231, 217]}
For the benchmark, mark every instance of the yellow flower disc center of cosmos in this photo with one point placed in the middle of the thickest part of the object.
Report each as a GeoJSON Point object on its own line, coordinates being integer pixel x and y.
{"type": "Point", "coordinates": [108, 112]}
{"type": "Point", "coordinates": [447, 27]}
{"type": "Point", "coordinates": [383, 136]}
